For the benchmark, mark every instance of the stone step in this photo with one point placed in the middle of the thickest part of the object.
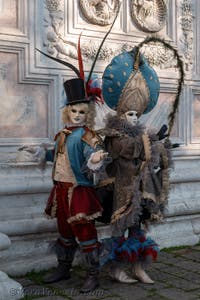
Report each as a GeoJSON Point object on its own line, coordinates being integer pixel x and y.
{"type": "Point", "coordinates": [32, 252]}
{"type": "Point", "coordinates": [22, 266]}
{"type": "Point", "coordinates": [28, 246]}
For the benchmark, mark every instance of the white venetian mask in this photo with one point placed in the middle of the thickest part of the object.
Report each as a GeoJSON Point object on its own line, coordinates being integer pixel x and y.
{"type": "Point", "coordinates": [131, 117]}
{"type": "Point", "coordinates": [78, 113]}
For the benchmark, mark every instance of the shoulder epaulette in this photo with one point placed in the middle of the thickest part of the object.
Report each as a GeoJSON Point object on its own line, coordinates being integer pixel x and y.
{"type": "Point", "coordinates": [64, 130]}
{"type": "Point", "coordinates": [91, 138]}
{"type": "Point", "coordinates": [61, 142]}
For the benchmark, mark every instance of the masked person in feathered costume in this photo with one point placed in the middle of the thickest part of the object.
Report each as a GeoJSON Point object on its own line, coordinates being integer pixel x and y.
{"type": "Point", "coordinates": [140, 162]}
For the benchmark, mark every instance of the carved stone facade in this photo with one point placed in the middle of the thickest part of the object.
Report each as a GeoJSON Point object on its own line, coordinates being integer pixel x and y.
{"type": "Point", "coordinates": [31, 94]}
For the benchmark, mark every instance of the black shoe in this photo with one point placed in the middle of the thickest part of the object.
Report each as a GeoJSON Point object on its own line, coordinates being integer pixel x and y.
{"type": "Point", "coordinates": [61, 273]}
{"type": "Point", "coordinates": [90, 284]}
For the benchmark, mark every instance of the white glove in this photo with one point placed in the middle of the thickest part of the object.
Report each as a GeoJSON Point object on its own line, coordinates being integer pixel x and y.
{"type": "Point", "coordinates": [31, 154]}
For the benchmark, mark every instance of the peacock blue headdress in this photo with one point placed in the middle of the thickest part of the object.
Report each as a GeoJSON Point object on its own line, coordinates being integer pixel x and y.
{"type": "Point", "coordinates": [130, 83]}
{"type": "Point", "coordinates": [129, 73]}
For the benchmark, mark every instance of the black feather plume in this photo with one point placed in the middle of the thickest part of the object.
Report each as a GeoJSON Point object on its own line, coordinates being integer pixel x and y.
{"type": "Point", "coordinates": [101, 45]}
{"type": "Point", "coordinates": [73, 68]}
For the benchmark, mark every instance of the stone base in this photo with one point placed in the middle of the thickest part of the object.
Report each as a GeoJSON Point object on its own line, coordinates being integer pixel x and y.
{"type": "Point", "coordinates": [23, 200]}
{"type": "Point", "coordinates": [4, 242]}
{"type": "Point", "coordinates": [28, 253]}
{"type": "Point", "coordinates": [32, 252]}
{"type": "Point", "coordinates": [177, 231]}
{"type": "Point", "coordinates": [9, 289]}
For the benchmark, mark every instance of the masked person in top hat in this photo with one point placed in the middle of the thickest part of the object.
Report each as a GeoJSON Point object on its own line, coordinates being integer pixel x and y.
{"type": "Point", "coordinates": [73, 199]}
{"type": "Point", "coordinates": [139, 165]}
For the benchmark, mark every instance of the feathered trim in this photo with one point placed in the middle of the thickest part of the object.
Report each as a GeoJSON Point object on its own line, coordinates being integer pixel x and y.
{"type": "Point", "coordinates": [137, 247]}
{"type": "Point", "coordinates": [122, 126]}
{"type": "Point", "coordinates": [130, 213]}
{"type": "Point", "coordinates": [133, 250]}
{"type": "Point", "coordinates": [91, 115]}
{"type": "Point", "coordinates": [147, 150]}
{"type": "Point", "coordinates": [81, 217]}
{"type": "Point", "coordinates": [63, 249]}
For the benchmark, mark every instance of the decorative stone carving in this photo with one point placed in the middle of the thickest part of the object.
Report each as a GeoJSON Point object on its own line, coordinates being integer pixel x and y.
{"type": "Point", "coordinates": [149, 15]}
{"type": "Point", "coordinates": [158, 56]}
{"type": "Point", "coordinates": [186, 21]}
{"type": "Point", "coordinates": [89, 50]}
{"type": "Point", "coordinates": [100, 12]}
{"type": "Point", "coordinates": [57, 46]}
{"type": "Point", "coordinates": [53, 5]}
{"type": "Point", "coordinates": [53, 22]}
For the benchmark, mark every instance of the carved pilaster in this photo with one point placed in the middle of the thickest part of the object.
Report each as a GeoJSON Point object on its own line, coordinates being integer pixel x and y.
{"type": "Point", "coordinates": [187, 34]}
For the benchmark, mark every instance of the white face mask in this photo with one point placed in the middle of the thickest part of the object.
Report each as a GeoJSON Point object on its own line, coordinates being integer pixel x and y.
{"type": "Point", "coordinates": [78, 113]}
{"type": "Point", "coordinates": [131, 117]}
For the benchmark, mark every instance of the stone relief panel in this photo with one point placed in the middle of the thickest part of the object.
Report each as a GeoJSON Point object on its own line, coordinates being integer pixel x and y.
{"type": "Point", "coordinates": [63, 47]}
{"type": "Point", "coordinates": [8, 13]}
{"type": "Point", "coordinates": [149, 15]}
{"type": "Point", "coordinates": [60, 46]}
{"type": "Point", "coordinates": [24, 111]}
{"type": "Point", "coordinates": [186, 39]}
{"type": "Point", "coordinates": [53, 39]}
{"type": "Point", "coordinates": [99, 12]}
{"type": "Point", "coordinates": [196, 117]}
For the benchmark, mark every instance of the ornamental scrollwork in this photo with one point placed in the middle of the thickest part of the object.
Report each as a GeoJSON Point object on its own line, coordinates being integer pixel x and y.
{"type": "Point", "coordinates": [149, 15]}
{"type": "Point", "coordinates": [90, 48]}
{"type": "Point", "coordinates": [53, 41]}
{"type": "Point", "coordinates": [159, 56]}
{"type": "Point", "coordinates": [99, 12]}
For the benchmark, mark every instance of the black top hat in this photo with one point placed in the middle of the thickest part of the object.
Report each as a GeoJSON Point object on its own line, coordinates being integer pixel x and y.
{"type": "Point", "coordinates": [75, 91]}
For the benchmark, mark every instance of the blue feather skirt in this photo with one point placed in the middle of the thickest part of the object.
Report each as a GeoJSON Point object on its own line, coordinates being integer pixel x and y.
{"type": "Point", "coordinates": [136, 247]}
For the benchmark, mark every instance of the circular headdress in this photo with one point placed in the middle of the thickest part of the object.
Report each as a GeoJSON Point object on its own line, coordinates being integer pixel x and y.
{"type": "Point", "coordinates": [129, 83]}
